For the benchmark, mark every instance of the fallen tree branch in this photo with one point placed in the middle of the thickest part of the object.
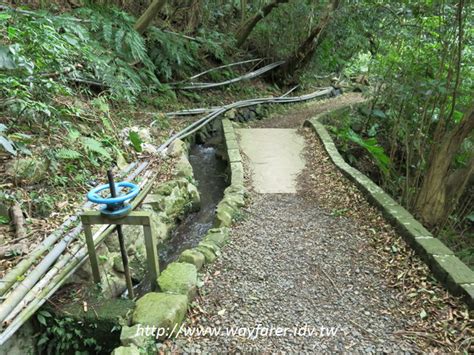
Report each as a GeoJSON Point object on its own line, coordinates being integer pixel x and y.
{"type": "Point", "coordinates": [18, 221]}
{"type": "Point", "coordinates": [332, 282]}
{"type": "Point", "coordinates": [183, 36]}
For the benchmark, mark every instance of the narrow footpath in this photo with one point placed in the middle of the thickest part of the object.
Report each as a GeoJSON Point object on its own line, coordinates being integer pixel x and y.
{"type": "Point", "coordinates": [311, 256]}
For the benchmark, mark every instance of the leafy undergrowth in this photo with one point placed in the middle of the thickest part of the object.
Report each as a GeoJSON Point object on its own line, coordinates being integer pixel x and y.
{"type": "Point", "coordinates": [81, 92]}
{"type": "Point", "coordinates": [365, 144]}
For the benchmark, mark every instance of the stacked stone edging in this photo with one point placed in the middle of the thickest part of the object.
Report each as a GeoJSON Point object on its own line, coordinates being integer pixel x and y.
{"type": "Point", "coordinates": [456, 276]}
{"type": "Point", "coordinates": [178, 282]}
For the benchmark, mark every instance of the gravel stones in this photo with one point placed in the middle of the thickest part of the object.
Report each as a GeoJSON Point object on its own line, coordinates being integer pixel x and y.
{"type": "Point", "coordinates": [323, 257]}
{"type": "Point", "coordinates": [293, 264]}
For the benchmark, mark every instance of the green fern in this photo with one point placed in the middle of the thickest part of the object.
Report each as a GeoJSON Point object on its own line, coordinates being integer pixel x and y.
{"type": "Point", "coordinates": [137, 46]}
{"type": "Point", "coordinates": [171, 54]}
{"type": "Point", "coordinates": [94, 146]}
{"type": "Point", "coordinates": [68, 154]}
{"type": "Point", "coordinates": [107, 31]}
{"type": "Point", "coordinates": [118, 42]}
{"type": "Point", "coordinates": [73, 135]}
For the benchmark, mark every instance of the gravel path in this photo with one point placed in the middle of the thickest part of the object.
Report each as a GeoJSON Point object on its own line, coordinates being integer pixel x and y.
{"type": "Point", "coordinates": [323, 257]}
{"type": "Point", "coordinates": [297, 114]}
{"type": "Point", "coordinates": [290, 264]}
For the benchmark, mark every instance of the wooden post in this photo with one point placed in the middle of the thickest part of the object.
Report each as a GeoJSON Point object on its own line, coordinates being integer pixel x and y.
{"type": "Point", "coordinates": [151, 254]}
{"type": "Point", "coordinates": [136, 218]}
{"type": "Point", "coordinates": [92, 254]}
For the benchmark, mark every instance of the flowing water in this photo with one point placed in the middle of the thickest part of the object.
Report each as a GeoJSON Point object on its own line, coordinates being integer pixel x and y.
{"type": "Point", "coordinates": [209, 172]}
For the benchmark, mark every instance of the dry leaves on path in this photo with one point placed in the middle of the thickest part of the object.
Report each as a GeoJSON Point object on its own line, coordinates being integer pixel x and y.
{"type": "Point", "coordinates": [438, 321]}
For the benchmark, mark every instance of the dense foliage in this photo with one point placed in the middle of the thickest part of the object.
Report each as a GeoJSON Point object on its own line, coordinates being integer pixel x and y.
{"type": "Point", "coordinates": [63, 69]}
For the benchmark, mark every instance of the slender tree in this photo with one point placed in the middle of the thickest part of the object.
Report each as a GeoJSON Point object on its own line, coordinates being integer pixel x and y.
{"type": "Point", "coordinates": [145, 19]}
{"type": "Point", "coordinates": [243, 10]}
{"type": "Point", "coordinates": [442, 187]}
{"type": "Point", "coordinates": [244, 31]}
{"type": "Point", "coordinates": [305, 51]}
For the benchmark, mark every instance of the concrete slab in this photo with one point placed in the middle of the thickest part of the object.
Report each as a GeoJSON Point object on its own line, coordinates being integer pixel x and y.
{"type": "Point", "coordinates": [275, 158]}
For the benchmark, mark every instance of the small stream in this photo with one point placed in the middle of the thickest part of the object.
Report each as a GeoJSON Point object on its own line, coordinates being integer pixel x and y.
{"type": "Point", "coordinates": [209, 172]}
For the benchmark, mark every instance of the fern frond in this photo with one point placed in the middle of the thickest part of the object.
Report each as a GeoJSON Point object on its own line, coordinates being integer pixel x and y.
{"type": "Point", "coordinates": [73, 135]}
{"type": "Point", "coordinates": [68, 154]}
{"type": "Point", "coordinates": [107, 32]}
{"type": "Point", "coordinates": [93, 145]}
{"type": "Point", "coordinates": [137, 46]}
{"type": "Point", "coordinates": [119, 36]}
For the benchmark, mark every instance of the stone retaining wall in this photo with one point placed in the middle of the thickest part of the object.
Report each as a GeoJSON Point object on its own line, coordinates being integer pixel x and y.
{"type": "Point", "coordinates": [179, 281]}
{"type": "Point", "coordinates": [457, 277]}
{"type": "Point", "coordinates": [169, 202]}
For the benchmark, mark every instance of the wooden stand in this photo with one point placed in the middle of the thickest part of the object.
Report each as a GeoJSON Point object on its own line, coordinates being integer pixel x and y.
{"type": "Point", "coordinates": [137, 218]}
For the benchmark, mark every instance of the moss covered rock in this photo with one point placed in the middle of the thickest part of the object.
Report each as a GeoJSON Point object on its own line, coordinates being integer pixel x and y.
{"type": "Point", "coordinates": [177, 148]}
{"type": "Point", "coordinates": [175, 203]}
{"type": "Point", "coordinates": [126, 350]}
{"type": "Point", "coordinates": [193, 257]}
{"type": "Point", "coordinates": [179, 278]}
{"type": "Point", "coordinates": [211, 246]}
{"type": "Point", "coordinates": [194, 196]}
{"type": "Point", "coordinates": [224, 215]}
{"type": "Point", "coordinates": [209, 254]}
{"type": "Point", "coordinates": [165, 188]}
{"type": "Point", "coordinates": [217, 236]}
{"type": "Point", "coordinates": [234, 200]}
{"type": "Point", "coordinates": [133, 336]}
{"type": "Point", "coordinates": [162, 310]}
{"type": "Point", "coordinates": [157, 201]}
{"type": "Point", "coordinates": [183, 168]}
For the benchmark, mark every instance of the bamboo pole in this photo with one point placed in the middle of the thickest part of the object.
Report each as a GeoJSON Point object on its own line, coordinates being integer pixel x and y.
{"type": "Point", "coordinates": [21, 268]}
{"type": "Point", "coordinates": [32, 278]}
{"type": "Point", "coordinates": [240, 104]}
{"type": "Point", "coordinates": [59, 274]}
{"type": "Point", "coordinates": [218, 68]}
{"type": "Point", "coordinates": [101, 234]}
{"type": "Point", "coordinates": [250, 75]}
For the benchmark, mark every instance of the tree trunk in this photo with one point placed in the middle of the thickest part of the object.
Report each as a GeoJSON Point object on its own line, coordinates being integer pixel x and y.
{"type": "Point", "coordinates": [306, 50]}
{"type": "Point", "coordinates": [194, 17]}
{"type": "Point", "coordinates": [243, 10]}
{"type": "Point", "coordinates": [145, 19]}
{"type": "Point", "coordinates": [244, 31]}
{"type": "Point", "coordinates": [442, 188]}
